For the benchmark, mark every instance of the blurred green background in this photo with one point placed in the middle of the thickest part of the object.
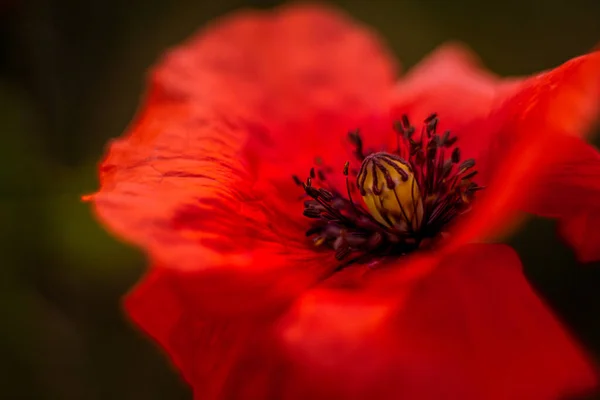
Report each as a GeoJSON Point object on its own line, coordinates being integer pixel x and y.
{"type": "Point", "coordinates": [71, 74]}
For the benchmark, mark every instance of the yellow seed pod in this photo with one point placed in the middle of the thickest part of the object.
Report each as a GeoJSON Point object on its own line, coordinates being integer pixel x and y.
{"type": "Point", "coordinates": [388, 187]}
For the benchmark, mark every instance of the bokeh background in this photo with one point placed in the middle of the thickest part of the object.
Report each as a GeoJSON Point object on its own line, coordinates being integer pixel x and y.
{"type": "Point", "coordinates": [71, 75]}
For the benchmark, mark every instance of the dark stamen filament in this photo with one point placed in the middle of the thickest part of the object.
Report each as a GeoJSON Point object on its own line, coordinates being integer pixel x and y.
{"type": "Point", "coordinates": [441, 189]}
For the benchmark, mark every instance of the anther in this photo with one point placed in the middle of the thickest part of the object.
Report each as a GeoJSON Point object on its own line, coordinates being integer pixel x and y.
{"type": "Point", "coordinates": [469, 175]}
{"type": "Point", "coordinates": [446, 169]}
{"type": "Point", "coordinates": [430, 118]}
{"type": "Point", "coordinates": [326, 194]}
{"type": "Point", "coordinates": [405, 121]}
{"type": "Point", "coordinates": [451, 141]}
{"type": "Point", "coordinates": [456, 155]}
{"type": "Point", "coordinates": [399, 128]}
{"type": "Point", "coordinates": [319, 240]}
{"type": "Point", "coordinates": [465, 165]}
{"type": "Point", "coordinates": [355, 139]}
{"type": "Point", "coordinates": [445, 138]}
{"type": "Point", "coordinates": [312, 192]}
{"type": "Point", "coordinates": [312, 213]}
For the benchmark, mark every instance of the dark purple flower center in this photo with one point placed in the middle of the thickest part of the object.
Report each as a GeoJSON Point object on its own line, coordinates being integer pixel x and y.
{"type": "Point", "coordinates": [409, 195]}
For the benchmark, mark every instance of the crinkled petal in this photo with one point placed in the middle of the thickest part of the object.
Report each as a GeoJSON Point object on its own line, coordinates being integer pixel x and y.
{"type": "Point", "coordinates": [523, 124]}
{"type": "Point", "coordinates": [562, 101]}
{"type": "Point", "coordinates": [472, 329]}
{"type": "Point", "coordinates": [199, 183]}
{"type": "Point", "coordinates": [300, 77]}
{"type": "Point", "coordinates": [202, 180]}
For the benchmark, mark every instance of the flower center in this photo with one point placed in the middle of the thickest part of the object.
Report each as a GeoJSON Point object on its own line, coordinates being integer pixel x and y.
{"type": "Point", "coordinates": [410, 195]}
{"type": "Point", "coordinates": [390, 191]}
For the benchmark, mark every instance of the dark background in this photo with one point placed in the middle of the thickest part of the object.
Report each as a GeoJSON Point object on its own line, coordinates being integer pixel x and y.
{"type": "Point", "coordinates": [71, 74]}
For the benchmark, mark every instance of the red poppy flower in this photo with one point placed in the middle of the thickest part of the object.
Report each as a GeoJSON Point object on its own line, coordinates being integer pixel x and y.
{"type": "Point", "coordinates": [377, 283]}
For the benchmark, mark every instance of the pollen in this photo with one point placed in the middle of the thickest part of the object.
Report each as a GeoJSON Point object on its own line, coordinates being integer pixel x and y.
{"type": "Point", "coordinates": [410, 195]}
{"type": "Point", "coordinates": [390, 191]}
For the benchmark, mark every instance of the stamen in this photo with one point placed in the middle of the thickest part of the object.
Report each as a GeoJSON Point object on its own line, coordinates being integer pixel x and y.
{"type": "Point", "coordinates": [346, 167]}
{"type": "Point", "coordinates": [456, 155]}
{"type": "Point", "coordinates": [321, 175]}
{"type": "Point", "coordinates": [354, 138]}
{"type": "Point", "coordinates": [409, 195]}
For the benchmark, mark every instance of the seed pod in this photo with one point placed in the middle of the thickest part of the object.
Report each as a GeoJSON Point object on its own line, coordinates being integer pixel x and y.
{"type": "Point", "coordinates": [389, 189]}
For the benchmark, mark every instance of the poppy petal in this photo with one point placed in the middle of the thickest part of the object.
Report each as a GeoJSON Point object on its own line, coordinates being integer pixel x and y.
{"type": "Point", "coordinates": [522, 126]}
{"type": "Point", "coordinates": [569, 190]}
{"type": "Point", "coordinates": [198, 180]}
{"type": "Point", "coordinates": [277, 65]}
{"type": "Point", "coordinates": [562, 101]}
{"type": "Point", "coordinates": [155, 307]}
{"type": "Point", "coordinates": [473, 326]}
{"type": "Point", "coordinates": [452, 83]}
{"type": "Point", "coordinates": [219, 358]}
{"type": "Point", "coordinates": [300, 78]}
{"type": "Point", "coordinates": [581, 232]}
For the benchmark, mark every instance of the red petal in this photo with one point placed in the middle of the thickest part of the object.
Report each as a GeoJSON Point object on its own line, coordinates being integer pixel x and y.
{"type": "Point", "coordinates": [202, 181]}
{"type": "Point", "coordinates": [473, 329]}
{"type": "Point", "coordinates": [569, 190]}
{"type": "Point", "coordinates": [300, 78]}
{"type": "Point", "coordinates": [452, 83]}
{"type": "Point", "coordinates": [563, 101]}
{"type": "Point", "coordinates": [220, 358]}
{"type": "Point", "coordinates": [280, 65]}
{"type": "Point", "coordinates": [569, 185]}
{"type": "Point", "coordinates": [580, 230]}
{"type": "Point", "coordinates": [156, 308]}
